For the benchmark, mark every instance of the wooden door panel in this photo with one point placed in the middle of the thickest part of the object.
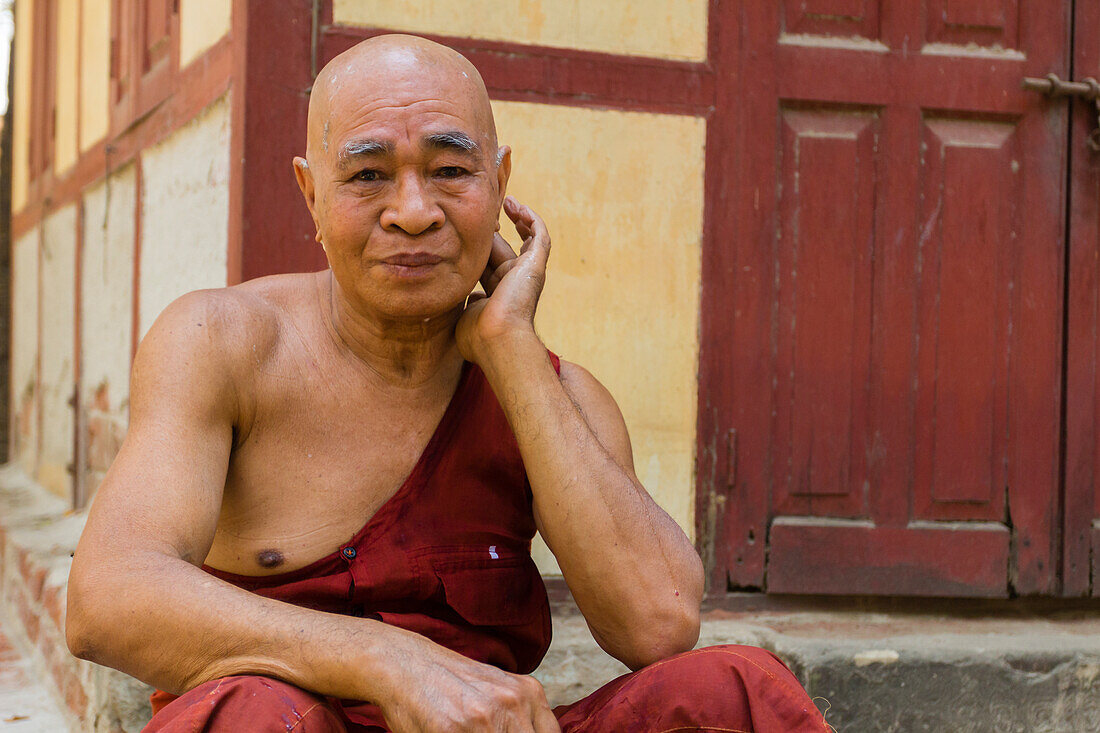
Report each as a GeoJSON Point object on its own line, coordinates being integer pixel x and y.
{"type": "Point", "coordinates": [823, 258]}
{"type": "Point", "coordinates": [842, 18]}
{"type": "Point", "coordinates": [974, 558]}
{"type": "Point", "coordinates": [896, 300]}
{"type": "Point", "coordinates": [984, 23]}
{"type": "Point", "coordinates": [965, 283]}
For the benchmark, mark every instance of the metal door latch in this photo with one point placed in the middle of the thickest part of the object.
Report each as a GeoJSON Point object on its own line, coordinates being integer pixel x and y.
{"type": "Point", "coordinates": [1088, 89]}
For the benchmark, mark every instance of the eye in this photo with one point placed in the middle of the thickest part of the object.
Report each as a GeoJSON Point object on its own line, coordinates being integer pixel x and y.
{"type": "Point", "coordinates": [368, 175]}
{"type": "Point", "coordinates": [451, 171]}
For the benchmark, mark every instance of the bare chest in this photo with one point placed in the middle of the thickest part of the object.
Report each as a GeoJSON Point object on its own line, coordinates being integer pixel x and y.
{"type": "Point", "coordinates": [315, 466]}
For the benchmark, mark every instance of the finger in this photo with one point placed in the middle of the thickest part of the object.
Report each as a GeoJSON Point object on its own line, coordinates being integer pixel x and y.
{"type": "Point", "coordinates": [501, 252]}
{"type": "Point", "coordinates": [539, 242]}
{"type": "Point", "coordinates": [497, 275]}
{"type": "Point", "coordinates": [487, 278]}
{"type": "Point", "coordinates": [520, 216]}
{"type": "Point", "coordinates": [473, 298]}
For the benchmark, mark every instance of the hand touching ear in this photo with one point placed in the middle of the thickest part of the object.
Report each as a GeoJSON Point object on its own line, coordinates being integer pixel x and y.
{"type": "Point", "coordinates": [513, 284]}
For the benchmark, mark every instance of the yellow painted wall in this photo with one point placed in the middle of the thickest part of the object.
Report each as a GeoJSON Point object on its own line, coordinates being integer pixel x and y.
{"type": "Point", "coordinates": [622, 194]}
{"type": "Point", "coordinates": [202, 24]}
{"type": "Point", "coordinates": [24, 14]}
{"type": "Point", "coordinates": [67, 75]}
{"type": "Point", "coordinates": [672, 29]}
{"type": "Point", "coordinates": [95, 71]}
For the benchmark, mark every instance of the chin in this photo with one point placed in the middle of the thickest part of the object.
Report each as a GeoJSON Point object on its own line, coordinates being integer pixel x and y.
{"type": "Point", "coordinates": [415, 303]}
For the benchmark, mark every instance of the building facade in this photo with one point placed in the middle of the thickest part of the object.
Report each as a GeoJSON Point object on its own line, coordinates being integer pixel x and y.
{"type": "Point", "coordinates": [836, 264]}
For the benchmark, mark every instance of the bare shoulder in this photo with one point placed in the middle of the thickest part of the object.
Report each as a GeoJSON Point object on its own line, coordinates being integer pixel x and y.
{"type": "Point", "coordinates": [600, 411]}
{"type": "Point", "coordinates": [209, 343]}
{"type": "Point", "coordinates": [233, 326]}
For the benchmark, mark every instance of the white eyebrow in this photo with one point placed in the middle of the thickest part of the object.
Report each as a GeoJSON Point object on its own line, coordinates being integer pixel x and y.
{"type": "Point", "coordinates": [357, 148]}
{"type": "Point", "coordinates": [454, 139]}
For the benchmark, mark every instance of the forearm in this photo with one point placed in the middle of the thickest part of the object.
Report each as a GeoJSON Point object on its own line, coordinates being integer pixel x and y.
{"type": "Point", "coordinates": [170, 624]}
{"type": "Point", "coordinates": [628, 564]}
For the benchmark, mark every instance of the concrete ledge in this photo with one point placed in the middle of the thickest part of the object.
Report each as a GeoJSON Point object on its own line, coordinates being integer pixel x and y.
{"type": "Point", "coordinates": [37, 537]}
{"type": "Point", "coordinates": [899, 672]}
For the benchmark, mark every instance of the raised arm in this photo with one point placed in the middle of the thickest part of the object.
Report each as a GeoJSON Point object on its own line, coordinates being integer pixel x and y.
{"type": "Point", "coordinates": [633, 572]}
{"type": "Point", "coordinates": [139, 601]}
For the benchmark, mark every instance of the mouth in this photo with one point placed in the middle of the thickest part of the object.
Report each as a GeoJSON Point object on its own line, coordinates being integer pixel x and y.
{"type": "Point", "coordinates": [413, 259]}
{"type": "Point", "coordinates": [410, 263]}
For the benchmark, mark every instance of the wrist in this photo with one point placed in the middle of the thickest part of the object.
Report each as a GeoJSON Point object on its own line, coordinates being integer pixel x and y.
{"type": "Point", "coordinates": [506, 344]}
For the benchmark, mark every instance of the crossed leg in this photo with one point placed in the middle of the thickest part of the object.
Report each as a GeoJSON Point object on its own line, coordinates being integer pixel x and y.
{"type": "Point", "coordinates": [731, 689]}
{"type": "Point", "coordinates": [728, 689]}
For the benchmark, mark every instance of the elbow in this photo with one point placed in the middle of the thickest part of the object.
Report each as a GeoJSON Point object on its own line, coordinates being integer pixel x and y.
{"type": "Point", "coordinates": [669, 631]}
{"type": "Point", "coordinates": [673, 626]}
{"type": "Point", "coordinates": [79, 643]}
{"type": "Point", "coordinates": [77, 634]}
{"type": "Point", "coordinates": [78, 626]}
{"type": "Point", "coordinates": [85, 617]}
{"type": "Point", "coordinates": [679, 632]}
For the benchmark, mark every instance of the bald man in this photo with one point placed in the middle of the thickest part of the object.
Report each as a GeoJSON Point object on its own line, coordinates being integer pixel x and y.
{"type": "Point", "coordinates": [321, 517]}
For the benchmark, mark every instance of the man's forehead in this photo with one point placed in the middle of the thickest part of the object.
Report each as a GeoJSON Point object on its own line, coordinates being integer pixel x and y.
{"type": "Point", "coordinates": [421, 125]}
{"type": "Point", "coordinates": [414, 114]}
{"type": "Point", "coordinates": [399, 88]}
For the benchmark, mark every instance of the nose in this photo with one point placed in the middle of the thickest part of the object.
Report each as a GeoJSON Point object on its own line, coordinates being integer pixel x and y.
{"type": "Point", "coordinates": [412, 208]}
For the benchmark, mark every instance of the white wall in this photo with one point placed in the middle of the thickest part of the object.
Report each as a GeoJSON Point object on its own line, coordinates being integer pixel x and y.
{"type": "Point", "coordinates": [58, 336]}
{"type": "Point", "coordinates": [24, 344]}
{"type": "Point", "coordinates": [185, 212]}
{"type": "Point", "coordinates": [106, 306]}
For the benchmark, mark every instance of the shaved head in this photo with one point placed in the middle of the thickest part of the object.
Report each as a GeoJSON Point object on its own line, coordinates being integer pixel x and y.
{"type": "Point", "coordinates": [402, 166]}
{"type": "Point", "coordinates": [393, 67]}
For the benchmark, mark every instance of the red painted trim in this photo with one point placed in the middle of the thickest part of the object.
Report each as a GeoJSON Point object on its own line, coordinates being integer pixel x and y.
{"type": "Point", "coordinates": [520, 72]}
{"type": "Point", "coordinates": [1080, 548]}
{"type": "Point", "coordinates": [200, 84]}
{"type": "Point", "coordinates": [237, 110]}
{"type": "Point", "coordinates": [135, 304]}
{"type": "Point", "coordinates": [717, 493]}
{"type": "Point", "coordinates": [157, 83]}
{"type": "Point", "coordinates": [277, 231]}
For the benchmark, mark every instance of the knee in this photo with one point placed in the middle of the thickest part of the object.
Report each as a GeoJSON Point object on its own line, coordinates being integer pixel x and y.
{"type": "Point", "coordinates": [722, 660]}
{"type": "Point", "coordinates": [734, 672]}
{"type": "Point", "coordinates": [247, 702]}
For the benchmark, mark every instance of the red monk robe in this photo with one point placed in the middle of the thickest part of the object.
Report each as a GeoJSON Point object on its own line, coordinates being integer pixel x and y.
{"type": "Point", "coordinates": [448, 556]}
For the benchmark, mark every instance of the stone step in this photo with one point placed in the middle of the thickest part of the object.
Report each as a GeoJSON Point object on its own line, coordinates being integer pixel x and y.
{"type": "Point", "coordinates": [27, 704]}
{"type": "Point", "coordinates": [1015, 666]}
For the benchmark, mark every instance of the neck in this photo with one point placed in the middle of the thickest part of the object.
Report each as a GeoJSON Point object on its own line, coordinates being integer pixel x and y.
{"type": "Point", "coordinates": [407, 352]}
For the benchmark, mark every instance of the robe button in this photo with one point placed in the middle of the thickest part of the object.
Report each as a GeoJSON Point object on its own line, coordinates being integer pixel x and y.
{"type": "Point", "coordinates": [349, 552]}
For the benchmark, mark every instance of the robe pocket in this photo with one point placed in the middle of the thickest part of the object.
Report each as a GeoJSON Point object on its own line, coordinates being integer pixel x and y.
{"type": "Point", "coordinates": [503, 594]}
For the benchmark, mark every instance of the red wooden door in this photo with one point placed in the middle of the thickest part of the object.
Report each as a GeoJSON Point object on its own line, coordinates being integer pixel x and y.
{"type": "Point", "coordinates": [893, 322]}
{"type": "Point", "coordinates": [1082, 504]}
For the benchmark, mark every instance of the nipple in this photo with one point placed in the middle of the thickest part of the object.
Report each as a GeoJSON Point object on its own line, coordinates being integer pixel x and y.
{"type": "Point", "coordinates": [269, 558]}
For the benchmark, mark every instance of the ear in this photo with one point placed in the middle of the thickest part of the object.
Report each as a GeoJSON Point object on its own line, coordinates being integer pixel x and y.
{"type": "Point", "coordinates": [504, 171]}
{"type": "Point", "coordinates": [304, 177]}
